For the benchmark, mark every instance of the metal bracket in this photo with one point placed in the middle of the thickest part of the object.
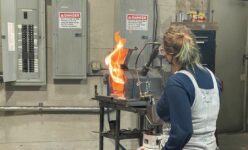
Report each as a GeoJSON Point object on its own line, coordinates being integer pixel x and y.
{"type": "Point", "coordinates": [49, 2]}
{"type": "Point", "coordinates": [78, 34]}
{"type": "Point", "coordinates": [245, 57]}
{"type": "Point", "coordinates": [1, 78]}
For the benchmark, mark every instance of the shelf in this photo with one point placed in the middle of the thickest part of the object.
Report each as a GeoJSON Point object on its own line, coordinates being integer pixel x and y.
{"type": "Point", "coordinates": [198, 25]}
{"type": "Point", "coordinates": [126, 134]}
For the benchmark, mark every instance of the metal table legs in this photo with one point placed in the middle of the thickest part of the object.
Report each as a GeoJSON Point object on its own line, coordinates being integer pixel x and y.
{"type": "Point", "coordinates": [117, 130]}
{"type": "Point", "coordinates": [141, 127]}
{"type": "Point", "coordinates": [101, 128]}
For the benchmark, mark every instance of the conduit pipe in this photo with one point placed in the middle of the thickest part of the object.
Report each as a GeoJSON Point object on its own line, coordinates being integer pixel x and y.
{"type": "Point", "coordinates": [245, 59]}
{"type": "Point", "coordinates": [50, 109]}
{"type": "Point", "coordinates": [245, 97]}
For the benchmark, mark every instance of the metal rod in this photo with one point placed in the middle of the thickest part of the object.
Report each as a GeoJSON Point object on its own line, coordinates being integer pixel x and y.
{"type": "Point", "coordinates": [208, 11]}
{"type": "Point", "coordinates": [141, 127]}
{"type": "Point", "coordinates": [245, 99]}
{"type": "Point", "coordinates": [101, 126]}
{"type": "Point", "coordinates": [245, 88]}
{"type": "Point", "coordinates": [49, 109]}
{"type": "Point", "coordinates": [117, 130]}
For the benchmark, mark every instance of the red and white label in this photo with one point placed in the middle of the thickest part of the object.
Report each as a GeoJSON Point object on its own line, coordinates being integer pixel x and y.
{"type": "Point", "coordinates": [136, 22]}
{"type": "Point", "coordinates": [69, 15]}
{"type": "Point", "coordinates": [69, 20]}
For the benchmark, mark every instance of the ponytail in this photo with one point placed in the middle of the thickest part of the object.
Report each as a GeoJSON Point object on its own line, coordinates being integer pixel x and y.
{"type": "Point", "coordinates": [180, 42]}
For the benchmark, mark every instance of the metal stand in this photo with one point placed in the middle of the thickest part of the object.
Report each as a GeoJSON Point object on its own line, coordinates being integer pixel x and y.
{"type": "Point", "coordinates": [101, 128]}
{"type": "Point", "coordinates": [119, 105]}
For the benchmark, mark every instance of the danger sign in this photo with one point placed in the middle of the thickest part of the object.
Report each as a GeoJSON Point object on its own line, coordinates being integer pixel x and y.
{"type": "Point", "coordinates": [136, 22]}
{"type": "Point", "coordinates": [69, 20]}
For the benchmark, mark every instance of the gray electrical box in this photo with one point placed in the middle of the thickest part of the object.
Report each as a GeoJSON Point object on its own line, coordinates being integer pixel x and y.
{"type": "Point", "coordinates": [70, 39]}
{"type": "Point", "coordinates": [134, 20]}
{"type": "Point", "coordinates": [23, 41]}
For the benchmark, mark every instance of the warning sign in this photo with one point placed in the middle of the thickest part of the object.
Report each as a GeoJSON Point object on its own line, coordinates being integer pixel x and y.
{"type": "Point", "coordinates": [136, 22]}
{"type": "Point", "coordinates": [69, 20]}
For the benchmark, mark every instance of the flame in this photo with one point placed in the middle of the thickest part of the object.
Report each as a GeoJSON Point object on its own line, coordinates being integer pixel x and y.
{"type": "Point", "coordinates": [114, 61]}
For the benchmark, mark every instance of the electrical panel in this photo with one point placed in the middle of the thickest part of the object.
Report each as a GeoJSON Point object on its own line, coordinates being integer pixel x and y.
{"type": "Point", "coordinates": [135, 20]}
{"type": "Point", "coordinates": [23, 42]}
{"type": "Point", "coordinates": [70, 39]}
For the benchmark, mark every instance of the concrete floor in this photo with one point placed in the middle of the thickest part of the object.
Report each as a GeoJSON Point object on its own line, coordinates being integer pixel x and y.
{"type": "Point", "coordinates": [234, 141]}
{"type": "Point", "coordinates": [73, 132]}
{"type": "Point", "coordinates": [55, 132]}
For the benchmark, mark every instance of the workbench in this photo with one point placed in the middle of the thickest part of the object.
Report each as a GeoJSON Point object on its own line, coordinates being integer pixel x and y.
{"type": "Point", "coordinates": [130, 105]}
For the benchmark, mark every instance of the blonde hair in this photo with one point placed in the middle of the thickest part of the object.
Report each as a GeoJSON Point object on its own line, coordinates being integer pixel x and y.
{"type": "Point", "coordinates": [179, 42]}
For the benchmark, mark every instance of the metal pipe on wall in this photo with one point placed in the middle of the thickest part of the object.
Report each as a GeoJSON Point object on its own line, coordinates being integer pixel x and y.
{"type": "Point", "coordinates": [245, 85]}
{"type": "Point", "coordinates": [245, 97]}
{"type": "Point", "coordinates": [49, 109]}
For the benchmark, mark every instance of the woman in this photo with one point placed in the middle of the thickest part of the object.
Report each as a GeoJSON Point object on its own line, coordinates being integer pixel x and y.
{"type": "Point", "coordinates": [190, 102]}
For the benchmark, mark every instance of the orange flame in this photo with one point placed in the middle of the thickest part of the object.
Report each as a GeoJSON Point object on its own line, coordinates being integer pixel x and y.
{"type": "Point", "coordinates": [114, 61]}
